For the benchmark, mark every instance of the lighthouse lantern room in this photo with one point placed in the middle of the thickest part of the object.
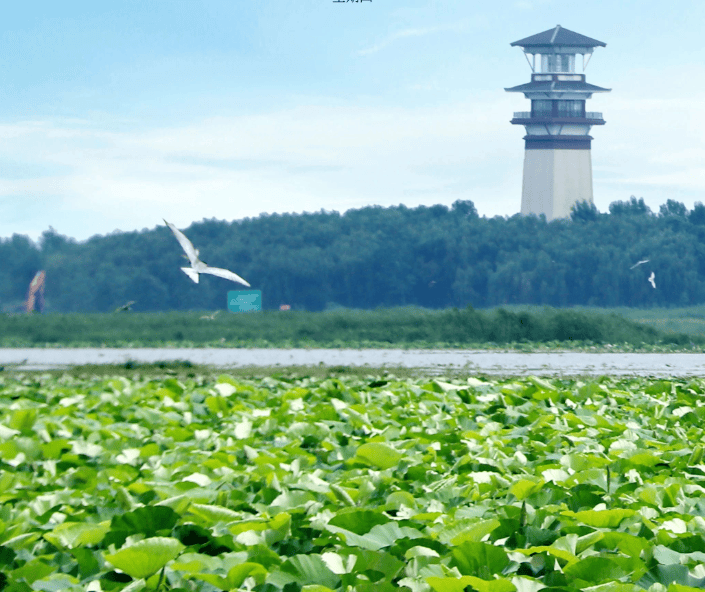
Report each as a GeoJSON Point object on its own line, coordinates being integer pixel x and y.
{"type": "Point", "coordinates": [557, 162]}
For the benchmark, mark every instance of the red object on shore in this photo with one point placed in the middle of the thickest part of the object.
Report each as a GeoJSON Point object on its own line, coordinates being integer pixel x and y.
{"type": "Point", "coordinates": [35, 294]}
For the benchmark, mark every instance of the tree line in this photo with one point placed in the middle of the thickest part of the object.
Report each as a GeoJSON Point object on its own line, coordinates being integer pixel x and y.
{"type": "Point", "coordinates": [434, 257]}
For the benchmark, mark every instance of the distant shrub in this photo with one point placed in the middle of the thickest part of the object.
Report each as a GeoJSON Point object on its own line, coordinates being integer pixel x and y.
{"type": "Point", "coordinates": [584, 211]}
{"type": "Point", "coordinates": [633, 207]}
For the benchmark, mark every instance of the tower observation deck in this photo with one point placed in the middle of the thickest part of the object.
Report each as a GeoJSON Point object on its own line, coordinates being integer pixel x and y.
{"type": "Point", "coordinates": [557, 159]}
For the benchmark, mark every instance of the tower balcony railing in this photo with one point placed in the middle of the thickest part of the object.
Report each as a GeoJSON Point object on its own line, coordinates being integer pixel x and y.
{"type": "Point", "coordinates": [594, 115]}
{"type": "Point", "coordinates": [562, 77]}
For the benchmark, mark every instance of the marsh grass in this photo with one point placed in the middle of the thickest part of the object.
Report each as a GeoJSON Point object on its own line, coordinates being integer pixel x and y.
{"type": "Point", "coordinates": [673, 323]}
{"type": "Point", "coordinates": [403, 327]}
{"type": "Point", "coordinates": [689, 321]}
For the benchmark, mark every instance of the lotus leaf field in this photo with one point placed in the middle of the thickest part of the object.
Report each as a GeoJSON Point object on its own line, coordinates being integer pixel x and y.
{"type": "Point", "coordinates": [351, 484]}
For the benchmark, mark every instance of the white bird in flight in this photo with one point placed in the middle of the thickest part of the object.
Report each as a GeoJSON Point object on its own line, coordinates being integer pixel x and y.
{"type": "Point", "coordinates": [640, 263]}
{"type": "Point", "coordinates": [198, 266]}
{"type": "Point", "coordinates": [125, 307]}
{"type": "Point", "coordinates": [211, 317]}
{"type": "Point", "coordinates": [651, 279]}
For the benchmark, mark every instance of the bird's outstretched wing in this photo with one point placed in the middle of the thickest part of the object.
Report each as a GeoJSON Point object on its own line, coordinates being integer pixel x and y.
{"type": "Point", "coordinates": [639, 263]}
{"type": "Point", "coordinates": [652, 279]}
{"type": "Point", "coordinates": [125, 307]}
{"type": "Point", "coordinates": [224, 273]}
{"type": "Point", "coordinates": [185, 243]}
{"type": "Point", "coordinates": [189, 271]}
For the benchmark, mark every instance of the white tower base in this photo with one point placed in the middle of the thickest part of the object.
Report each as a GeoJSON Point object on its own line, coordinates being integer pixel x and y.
{"type": "Point", "coordinates": [555, 180]}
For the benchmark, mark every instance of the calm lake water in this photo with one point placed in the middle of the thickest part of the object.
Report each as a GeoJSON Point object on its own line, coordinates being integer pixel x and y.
{"type": "Point", "coordinates": [484, 362]}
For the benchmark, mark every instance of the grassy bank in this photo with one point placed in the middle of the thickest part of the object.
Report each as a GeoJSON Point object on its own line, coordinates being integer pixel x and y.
{"type": "Point", "coordinates": [689, 320]}
{"type": "Point", "coordinates": [395, 327]}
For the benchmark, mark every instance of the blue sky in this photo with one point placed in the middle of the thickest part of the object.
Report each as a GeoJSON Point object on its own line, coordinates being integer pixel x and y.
{"type": "Point", "coordinates": [114, 115]}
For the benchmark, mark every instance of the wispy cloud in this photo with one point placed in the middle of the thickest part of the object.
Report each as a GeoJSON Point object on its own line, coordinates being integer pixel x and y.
{"type": "Point", "coordinates": [93, 176]}
{"type": "Point", "coordinates": [411, 32]}
{"type": "Point", "coordinates": [300, 159]}
{"type": "Point", "coordinates": [650, 147]}
{"type": "Point", "coordinates": [530, 4]}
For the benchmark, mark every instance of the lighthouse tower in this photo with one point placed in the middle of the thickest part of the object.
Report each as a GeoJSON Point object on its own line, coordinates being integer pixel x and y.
{"type": "Point", "coordinates": [557, 162]}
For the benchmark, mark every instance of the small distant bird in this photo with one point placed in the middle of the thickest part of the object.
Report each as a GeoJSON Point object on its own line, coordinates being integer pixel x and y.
{"type": "Point", "coordinates": [125, 307]}
{"type": "Point", "coordinates": [198, 266]}
{"type": "Point", "coordinates": [640, 263]}
{"type": "Point", "coordinates": [211, 317]}
{"type": "Point", "coordinates": [651, 279]}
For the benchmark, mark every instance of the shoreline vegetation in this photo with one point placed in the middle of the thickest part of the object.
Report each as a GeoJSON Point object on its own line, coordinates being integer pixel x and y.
{"type": "Point", "coordinates": [515, 328]}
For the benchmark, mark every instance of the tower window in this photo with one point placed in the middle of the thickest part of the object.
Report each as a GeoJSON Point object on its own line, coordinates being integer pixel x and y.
{"type": "Point", "coordinates": [558, 62]}
{"type": "Point", "coordinates": [541, 108]}
{"type": "Point", "coordinates": [570, 108]}
{"type": "Point", "coordinates": [546, 108]}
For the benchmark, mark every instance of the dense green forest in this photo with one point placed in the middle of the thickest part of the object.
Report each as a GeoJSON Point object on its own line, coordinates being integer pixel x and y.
{"type": "Point", "coordinates": [434, 257]}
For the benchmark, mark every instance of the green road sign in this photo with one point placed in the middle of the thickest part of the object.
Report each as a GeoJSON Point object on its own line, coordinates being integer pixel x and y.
{"type": "Point", "coordinates": [244, 300]}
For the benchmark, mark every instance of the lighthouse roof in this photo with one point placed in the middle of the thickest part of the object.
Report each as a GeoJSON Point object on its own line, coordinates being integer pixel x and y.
{"type": "Point", "coordinates": [548, 41]}
{"type": "Point", "coordinates": [557, 86]}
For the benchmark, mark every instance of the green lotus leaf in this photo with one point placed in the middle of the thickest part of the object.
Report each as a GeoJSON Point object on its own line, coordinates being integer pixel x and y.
{"type": "Point", "coordinates": [310, 569]}
{"type": "Point", "coordinates": [397, 499]}
{"type": "Point", "coordinates": [248, 525]}
{"type": "Point", "coordinates": [358, 520]}
{"type": "Point", "coordinates": [235, 577]}
{"type": "Point", "coordinates": [566, 556]}
{"type": "Point", "coordinates": [645, 459]}
{"type": "Point", "coordinates": [23, 419]}
{"type": "Point", "coordinates": [212, 514]}
{"type": "Point", "coordinates": [523, 488]}
{"type": "Point", "coordinates": [378, 454]}
{"type": "Point", "coordinates": [217, 405]}
{"type": "Point", "coordinates": [377, 562]}
{"type": "Point", "coordinates": [625, 543]}
{"type": "Point", "coordinates": [480, 559]}
{"type": "Point", "coordinates": [540, 383]}
{"type": "Point", "coordinates": [289, 500]}
{"type": "Point", "coordinates": [238, 574]}
{"type": "Point", "coordinates": [601, 518]}
{"type": "Point", "coordinates": [58, 583]}
{"type": "Point", "coordinates": [682, 588]}
{"type": "Point", "coordinates": [196, 563]}
{"type": "Point", "coordinates": [33, 570]}
{"type": "Point", "coordinates": [447, 584]}
{"type": "Point", "coordinates": [598, 569]}
{"type": "Point", "coordinates": [586, 541]}
{"type": "Point", "coordinates": [145, 557]}
{"type": "Point", "coordinates": [147, 520]}
{"type": "Point", "coordinates": [216, 580]}
{"type": "Point", "coordinates": [668, 575]}
{"type": "Point", "coordinates": [476, 532]}
{"type": "Point", "coordinates": [379, 537]}
{"type": "Point", "coordinates": [76, 534]}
